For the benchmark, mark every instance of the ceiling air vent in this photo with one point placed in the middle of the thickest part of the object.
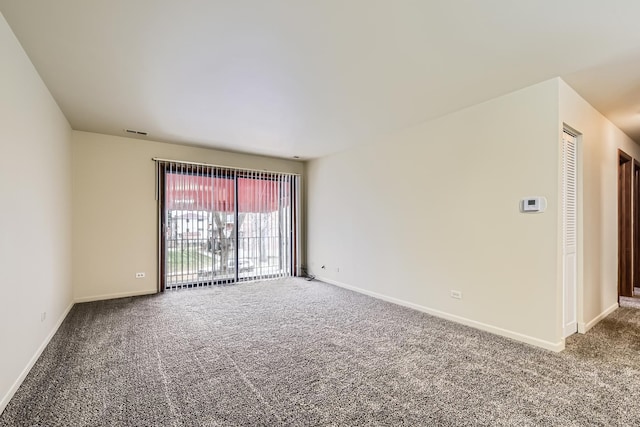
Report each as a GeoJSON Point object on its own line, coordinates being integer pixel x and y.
{"type": "Point", "coordinates": [136, 132]}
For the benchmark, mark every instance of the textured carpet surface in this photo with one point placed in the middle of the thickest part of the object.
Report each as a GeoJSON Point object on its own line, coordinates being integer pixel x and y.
{"type": "Point", "coordinates": [300, 353]}
{"type": "Point", "coordinates": [631, 302]}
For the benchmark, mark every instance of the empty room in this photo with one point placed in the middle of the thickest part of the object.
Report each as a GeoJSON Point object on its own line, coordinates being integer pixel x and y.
{"type": "Point", "coordinates": [319, 213]}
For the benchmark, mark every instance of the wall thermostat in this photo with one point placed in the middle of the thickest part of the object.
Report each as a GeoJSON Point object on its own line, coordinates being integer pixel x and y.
{"type": "Point", "coordinates": [533, 204]}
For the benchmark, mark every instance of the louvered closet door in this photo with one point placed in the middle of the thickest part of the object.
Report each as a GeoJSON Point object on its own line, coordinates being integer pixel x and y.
{"type": "Point", "coordinates": [569, 231]}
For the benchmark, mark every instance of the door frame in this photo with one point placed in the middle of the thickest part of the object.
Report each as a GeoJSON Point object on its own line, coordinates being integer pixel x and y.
{"type": "Point", "coordinates": [625, 230]}
{"type": "Point", "coordinates": [576, 300]}
{"type": "Point", "coordinates": [636, 224]}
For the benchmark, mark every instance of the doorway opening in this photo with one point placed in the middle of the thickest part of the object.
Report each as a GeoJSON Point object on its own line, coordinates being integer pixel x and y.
{"type": "Point", "coordinates": [625, 232]}
{"type": "Point", "coordinates": [636, 228]}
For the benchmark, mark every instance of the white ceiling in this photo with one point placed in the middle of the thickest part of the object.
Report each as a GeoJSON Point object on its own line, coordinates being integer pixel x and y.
{"type": "Point", "coordinates": [309, 78]}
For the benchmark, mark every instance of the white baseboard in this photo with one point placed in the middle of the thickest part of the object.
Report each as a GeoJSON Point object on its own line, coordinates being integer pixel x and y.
{"type": "Point", "coordinates": [114, 296]}
{"type": "Point", "coordinates": [584, 327]}
{"type": "Point", "coordinates": [556, 347]}
{"type": "Point", "coordinates": [7, 397]}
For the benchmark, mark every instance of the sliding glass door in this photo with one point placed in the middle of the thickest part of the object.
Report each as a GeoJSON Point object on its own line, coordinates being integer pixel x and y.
{"type": "Point", "coordinates": [221, 225]}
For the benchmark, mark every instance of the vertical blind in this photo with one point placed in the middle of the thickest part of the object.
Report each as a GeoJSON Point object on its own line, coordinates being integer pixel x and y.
{"type": "Point", "coordinates": [223, 225]}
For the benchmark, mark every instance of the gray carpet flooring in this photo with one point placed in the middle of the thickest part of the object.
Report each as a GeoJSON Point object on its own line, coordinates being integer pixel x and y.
{"type": "Point", "coordinates": [292, 352]}
{"type": "Point", "coordinates": [631, 302]}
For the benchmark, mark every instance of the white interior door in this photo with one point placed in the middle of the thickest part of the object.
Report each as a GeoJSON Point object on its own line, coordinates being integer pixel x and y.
{"type": "Point", "coordinates": [569, 232]}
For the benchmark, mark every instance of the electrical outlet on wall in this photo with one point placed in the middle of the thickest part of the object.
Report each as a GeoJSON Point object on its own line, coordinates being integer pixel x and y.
{"type": "Point", "coordinates": [456, 294]}
{"type": "Point", "coordinates": [43, 316]}
{"type": "Point", "coordinates": [139, 275]}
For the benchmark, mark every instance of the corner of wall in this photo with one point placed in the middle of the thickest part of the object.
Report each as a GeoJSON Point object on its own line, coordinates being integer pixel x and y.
{"type": "Point", "coordinates": [39, 288]}
{"type": "Point", "coordinates": [599, 142]}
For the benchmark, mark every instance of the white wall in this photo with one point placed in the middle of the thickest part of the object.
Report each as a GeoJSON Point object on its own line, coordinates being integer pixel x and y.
{"type": "Point", "coordinates": [35, 214]}
{"type": "Point", "coordinates": [598, 146]}
{"type": "Point", "coordinates": [115, 211]}
{"type": "Point", "coordinates": [436, 207]}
